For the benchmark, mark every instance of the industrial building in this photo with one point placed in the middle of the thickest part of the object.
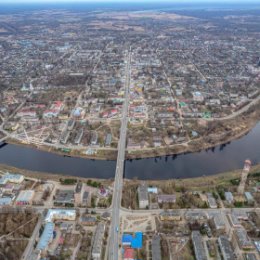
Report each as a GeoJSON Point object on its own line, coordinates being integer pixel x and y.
{"type": "Point", "coordinates": [60, 214]}
{"type": "Point", "coordinates": [25, 197]}
{"type": "Point", "coordinates": [198, 245]}
{"type": "Point", "coordinates": [98, 242]}
{"type": "Point", "coordinates": [143, 196]}
{"type": "Point", "coordinates": [9, 177]}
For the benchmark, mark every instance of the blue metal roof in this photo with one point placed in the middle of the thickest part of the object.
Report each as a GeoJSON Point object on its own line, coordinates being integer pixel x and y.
{"type": "Point", "coordinates": [137, 241]}
{"type": "Point", "coordinates": [127, 238]}
{"type": "Point", "coordinates": [46, 236]}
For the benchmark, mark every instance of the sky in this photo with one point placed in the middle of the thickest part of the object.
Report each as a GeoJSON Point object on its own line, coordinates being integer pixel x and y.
{"type": "Point", "coordinates": [121, 1]}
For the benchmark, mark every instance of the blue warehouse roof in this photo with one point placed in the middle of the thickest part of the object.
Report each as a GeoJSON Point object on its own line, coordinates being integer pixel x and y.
{"type": "Point", "coordinates": [135, 241]}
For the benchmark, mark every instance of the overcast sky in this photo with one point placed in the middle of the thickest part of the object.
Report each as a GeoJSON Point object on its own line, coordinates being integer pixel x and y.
{"type": "Point", "coordinates": [121, 1]}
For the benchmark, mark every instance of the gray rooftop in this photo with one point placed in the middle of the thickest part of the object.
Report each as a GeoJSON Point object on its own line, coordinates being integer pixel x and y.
{"type": "Point", "coordinates": [156, 248]}
{"type": "Point", "coordinates": [226, 249]}
{"type": "Point", "coordinates": [198, 245]}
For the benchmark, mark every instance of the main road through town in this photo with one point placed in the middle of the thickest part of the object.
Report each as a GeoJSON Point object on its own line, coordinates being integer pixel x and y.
{"type": "Point", "coordinates": [118, 184]}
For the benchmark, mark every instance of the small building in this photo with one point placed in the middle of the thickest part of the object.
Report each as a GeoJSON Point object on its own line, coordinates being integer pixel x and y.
{"type": "Point", "coordinates": [211, 201]}
{"type": "Point", "coordinates": [71, 124]}
{"type": "Point", "coordinates": [64, 137]}
{"type": "Point", "coordinates": [129, 254]}
{"type": "Point", "coordinates": [98, 242]}
{"type": "Point", "coordinates": [198, 246]}
{"type": "Point", "coordinates": [196, 216]}
{"type": "Point", "coordinates": [6, 201]}
{"type": "Point", "coordinates": [243, 240]}
{"type": "Point", "coordinates": [143, 196]}
{"type": "Point", "coordinates": [170, 216]}
{"type": "Point", "coordinates": [156, 248]}
{"type": "Point", "coordinates": [79, 193]}
{"type": "Point", "coordinates": [46, 237]}
{"type": "Point", "coordinates": [25, 197]}
{"type": "Point", "coordinates": [108, 140]}
{"type": "Point", "coordinates": [234, 220]}
{"type": "Point", "coordinates": [225, 248]}
{"type": "Point", "coordinates": [88, 220]}
{"type": "Point", "coordinates": [79, 136]}
{"type": "Point", "coordinates": [153, 190]}
{"type": "Point", "coordinates": [94, 138]}
{"type": "Point", "coordinates": [86, 198]}
{"type": "Point", "coordinates": [250, 256]}
{"type": "Point", "coordinates": [249, 197]}
{"type": "Point", "coordinates": [218, 222]}
{"type": "Point", "coordinates": [229, 197]}
{"type": "Point", "coordinates": [166, 198]}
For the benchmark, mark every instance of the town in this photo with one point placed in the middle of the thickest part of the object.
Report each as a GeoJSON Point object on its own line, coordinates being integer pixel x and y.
{"type": "Point", "coordinates": [70, 218]}
{"type": "Point", "coordinates": [63, 89]}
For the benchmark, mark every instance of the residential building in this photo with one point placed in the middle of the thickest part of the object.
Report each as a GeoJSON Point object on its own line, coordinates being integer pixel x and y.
{"type": "Point", "coordinates": [46, 237]}
{"type": "Point", "coordinates": [170, 216]}
{"type": "Point", "coordinates": [143, 196]}
{"type": "Point", "coordinates": [225, 248]}
{"type": "Point", "coordinates": [60, 214]}
{"type": "Point", "coordinates": [166, 198]}
{"type": "Point", "coordinates": [211, 201]}
{"type": "Point", "coordinates": [198, 246]}
{"type": "Point", "coordinates": [10, 177]}
{"type": "Point", "coordinates": [243, 240]}
{"type": "Point", "coordinates": [229, 197]}
{"type": "Point", "coordinates": [98, 242]}
{"type": "Point", "coordinates": [156, 248]}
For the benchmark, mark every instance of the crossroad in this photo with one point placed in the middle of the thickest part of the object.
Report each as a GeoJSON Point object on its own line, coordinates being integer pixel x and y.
{"type": "Point", "coordinates": [118, 184]}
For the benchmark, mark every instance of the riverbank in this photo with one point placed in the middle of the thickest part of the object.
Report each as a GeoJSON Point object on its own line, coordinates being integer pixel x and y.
{"type": "Point", "coordinates": [203, 182]}
{"type": "Point", "coordinates": [221, 132]}
{"type": "Point", "coordinates": [47, 176]}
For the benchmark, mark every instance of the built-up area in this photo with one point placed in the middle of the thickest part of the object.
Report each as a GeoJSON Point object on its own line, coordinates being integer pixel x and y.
{"type": "Point", "coordinates": [63, 79]}
{"type": "Point", "coordinates": [71, 218]}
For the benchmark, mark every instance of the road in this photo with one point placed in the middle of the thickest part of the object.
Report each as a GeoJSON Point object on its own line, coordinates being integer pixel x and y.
{"type": "Point", "coordinates": [118, 184]}
{"type": "Point", "coordinates": [29, 248]}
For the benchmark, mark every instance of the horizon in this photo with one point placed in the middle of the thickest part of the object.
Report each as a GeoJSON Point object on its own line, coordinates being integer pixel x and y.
{"type": "Point", "coordinates": [129, 2]}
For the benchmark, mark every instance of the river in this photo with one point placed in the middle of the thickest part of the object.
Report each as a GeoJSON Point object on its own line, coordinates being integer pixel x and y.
{"type": "Point", "coordinates": [208, 162]}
